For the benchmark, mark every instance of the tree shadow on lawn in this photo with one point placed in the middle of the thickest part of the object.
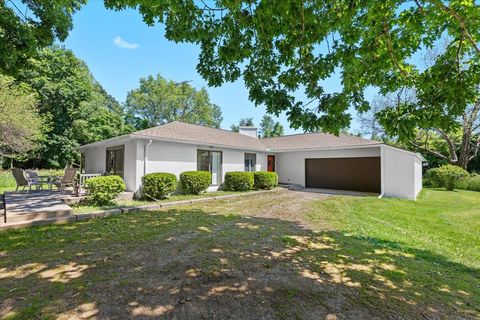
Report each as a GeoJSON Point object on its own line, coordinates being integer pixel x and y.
{"type": "Point", "coordinates": [188, 264]}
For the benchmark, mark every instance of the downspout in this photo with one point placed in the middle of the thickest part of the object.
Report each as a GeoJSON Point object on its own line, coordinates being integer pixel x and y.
{"type": "Point", "coordinates": [145, 158]}
{"type": "Point", "coordinates": [382, 172]}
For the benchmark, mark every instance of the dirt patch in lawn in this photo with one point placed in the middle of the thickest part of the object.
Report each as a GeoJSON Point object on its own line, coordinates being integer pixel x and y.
{"type": "Point", "coordinates": [247, 258]}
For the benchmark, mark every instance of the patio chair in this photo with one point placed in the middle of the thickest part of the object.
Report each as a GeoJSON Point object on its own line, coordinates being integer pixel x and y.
{"type": "Point", "coordinates": [68, 180]}
{"type": "Point", "coordinates": [33, 176]}
{"type": "Point", "coordinates": [24, 181]}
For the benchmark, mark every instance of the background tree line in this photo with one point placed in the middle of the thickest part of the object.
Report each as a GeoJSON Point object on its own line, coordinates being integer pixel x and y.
{"type": "Point", "coordinates": [54, 104]}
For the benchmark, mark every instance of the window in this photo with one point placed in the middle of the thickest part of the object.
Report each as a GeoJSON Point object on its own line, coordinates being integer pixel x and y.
{"type": "Point", "coordinates": [250, 161]}
{"type": "Point", "coordinates": [114, 165]}
{"type": "Point", "coordinates": [210, 161]}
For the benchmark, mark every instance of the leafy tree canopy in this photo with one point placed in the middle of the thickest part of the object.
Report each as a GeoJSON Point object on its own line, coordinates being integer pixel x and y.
{"type": "Point", "coordinates": [244, 122]}
{"type": "Point", "coordinates": [27, 25]}
{"type": "Point", "coordinates": [20, 124]}
{"type": "Point", "coordinates": [76, 108]}
{"type": "Point", "coordinates": [281, 48]}
{"type": "Point", "coordinates": [270, 128]}
{"type": "Point", "coordinates": [158, 100]}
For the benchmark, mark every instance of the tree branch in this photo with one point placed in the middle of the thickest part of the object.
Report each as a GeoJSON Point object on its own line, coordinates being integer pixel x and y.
{"type": "Point", "coordinates": [460, 20]}
{"type": "Point", "coordinates": [451, 144]}
{"type": "Point", "coordinates": [435, 153]}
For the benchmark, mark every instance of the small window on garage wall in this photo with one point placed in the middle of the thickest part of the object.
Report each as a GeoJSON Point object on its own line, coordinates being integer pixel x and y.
{"type": "Point", "coordinates": [250, 161]}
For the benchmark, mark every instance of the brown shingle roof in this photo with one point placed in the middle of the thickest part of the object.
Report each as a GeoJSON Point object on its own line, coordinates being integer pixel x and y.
{"type": "Point", "coordinates": [315, 141]}
{"type": "Point", "coordinates": [186, 132]}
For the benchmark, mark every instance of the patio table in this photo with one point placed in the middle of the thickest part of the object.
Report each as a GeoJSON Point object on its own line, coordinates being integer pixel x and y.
{"type": "Point", "coordinates": [50, 180]}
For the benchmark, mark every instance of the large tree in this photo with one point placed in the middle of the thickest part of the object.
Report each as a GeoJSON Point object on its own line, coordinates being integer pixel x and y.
{"type": "Point", "coordinates": [286, 49]}
{"type": "Point", "coordinates": [270, 128]}
{"type": "Point", "coordinates": [158, 100]}
{"type": "Point", "coordinates": [459, 145]}
{"type": "Point", "coordinates": [77, 110]}
{"type": "Point", "coordinates": [20, 124]}
{"type": "Point", "coordinates": [28, 25]}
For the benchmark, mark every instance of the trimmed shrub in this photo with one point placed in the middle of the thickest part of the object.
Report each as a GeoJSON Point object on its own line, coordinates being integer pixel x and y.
{"type": "Point", "coordinates": [432, 179]}
{"type": "Point", "coordinates": [195, 182]}
{"type": "Point", "coordinates": [158, 185]}
{"type": "Point", "coordinates": [102, 190]}
{"type": "Point", "coordinates": [238, 181]}
{"type": "Point", "coordinates": [265, 180]}
{"type": "Point", "coordinates": [447, 176]}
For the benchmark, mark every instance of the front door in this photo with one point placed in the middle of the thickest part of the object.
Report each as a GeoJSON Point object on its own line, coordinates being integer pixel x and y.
{"type": "Point", "coordinates": [271, 163]}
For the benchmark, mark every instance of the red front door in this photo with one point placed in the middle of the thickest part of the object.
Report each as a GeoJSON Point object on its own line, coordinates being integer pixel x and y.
{"type": "Point", "coordinates": [271, 163]}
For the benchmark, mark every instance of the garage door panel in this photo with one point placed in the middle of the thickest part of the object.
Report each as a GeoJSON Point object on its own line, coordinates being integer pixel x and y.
{"type": "Point", "coordinates": [356, 174]}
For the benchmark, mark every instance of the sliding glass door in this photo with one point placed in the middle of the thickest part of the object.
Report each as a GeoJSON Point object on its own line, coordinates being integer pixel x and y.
{"type": "Point", "coordinates": [210, 161]}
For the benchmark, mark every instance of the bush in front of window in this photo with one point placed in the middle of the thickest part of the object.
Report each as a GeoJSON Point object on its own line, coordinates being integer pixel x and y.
{"type": "Point", "coordinates": [158, 185]}
{"type": "Point", "coordinates": [265, 180]}
{"type": "Point", "coordinates": [102, 190]}
{"type": "Point", "coordinates": [195, 182]}
{"type": "Point", "coordinates": [238, 181]}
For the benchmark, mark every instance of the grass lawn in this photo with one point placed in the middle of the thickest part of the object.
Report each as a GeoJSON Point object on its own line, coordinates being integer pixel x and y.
{"type": "Point", "coordinates": [281, 255]}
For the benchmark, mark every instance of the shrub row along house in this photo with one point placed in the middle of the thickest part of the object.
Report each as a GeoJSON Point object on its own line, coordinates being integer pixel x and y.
{"type": "Point", "coordinates": [315, 160]}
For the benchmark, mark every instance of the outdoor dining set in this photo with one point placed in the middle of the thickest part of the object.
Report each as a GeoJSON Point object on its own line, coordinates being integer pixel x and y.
{"type": "Point", "coordinates": [30, 180]}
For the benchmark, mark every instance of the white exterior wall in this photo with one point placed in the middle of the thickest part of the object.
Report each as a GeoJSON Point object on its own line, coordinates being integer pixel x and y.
{"type": "Point", "coordinates": [95, 159]}
{"type": "Point", "coordinates": [178, 157]}
{"type": "Point", "coordinates": [290, 166]}
{"type": "Point", "coordinates": [402, 174]}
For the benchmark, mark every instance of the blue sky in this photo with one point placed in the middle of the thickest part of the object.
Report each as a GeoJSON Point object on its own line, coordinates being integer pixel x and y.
{"type": "Point", "coordinates": [120, 48]}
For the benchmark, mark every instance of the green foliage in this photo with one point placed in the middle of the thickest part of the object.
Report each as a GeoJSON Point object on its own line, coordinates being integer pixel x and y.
{"type": "Point", "coordinates": [265, 180]}
{"type": "Point", "coordinates": [20, 124]}
{"type": "Point", "coordinates": [238, 181]}
{"type": "Point", "coordinates": [158, 185]}
{"type": "Point", "coordinates": [446, 176]}
{"type": "Point", "coordinates": [75, 107]}
{"type": "Point", "coordinates": [270, 128]}
{"type": "Point", "coordinates": [244, 122]}
{"type": "Point", "coordinates": [158, 99]}
{"type": "Point", "coordinates": [195, 182]}
{"type": "Point", "coordinates": [283, 52]}
{"type": "Point", "coordinates": [471, 183]}
{"type": "Point", "coordinates": [29, 25]}
{"type": "Point", "coordinates": [102, 190]}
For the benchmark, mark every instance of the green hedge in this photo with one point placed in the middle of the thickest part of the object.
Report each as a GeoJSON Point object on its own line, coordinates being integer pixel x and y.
{"type": "Point", "coordinates": [102, 190]}
{"type": "Point", "coordinates": [446, 176]}
{"type": "Point", "coordinates": [195, 182]}
{"type": "Point", "coordinates": [265, 180]}
{"type": "Point", "coordinates": [470, 183]}
{"type": "Point", "coordinates": [158, 185]}
{"type": "Point", "coordinates": [239, 181]}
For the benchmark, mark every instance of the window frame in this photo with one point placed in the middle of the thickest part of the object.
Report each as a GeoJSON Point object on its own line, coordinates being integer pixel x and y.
{"type": "Point", "coordinates": [209, 164]}
{"type": "Point", "coordinates": [252, 162]}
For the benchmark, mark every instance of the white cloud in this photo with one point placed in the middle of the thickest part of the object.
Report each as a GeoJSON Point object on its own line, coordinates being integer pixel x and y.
{"type": "Point", "coordinates": [119, 42]}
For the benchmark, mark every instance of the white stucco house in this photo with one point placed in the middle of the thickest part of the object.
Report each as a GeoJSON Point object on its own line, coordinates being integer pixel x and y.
{"type": "Point", "coordinates": [315, 160]}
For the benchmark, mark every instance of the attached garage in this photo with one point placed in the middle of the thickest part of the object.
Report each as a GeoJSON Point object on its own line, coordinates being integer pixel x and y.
{"type": "Point", "coordinates": [354, 174]}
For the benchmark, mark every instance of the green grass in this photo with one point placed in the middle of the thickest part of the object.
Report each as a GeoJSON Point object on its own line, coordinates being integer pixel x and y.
{"type": "Point", "coordinates": [279, 255]}
{"type": "Point", "coordinates": [84, 208]}
{"type": "Point", "coordinates": [442, 222]}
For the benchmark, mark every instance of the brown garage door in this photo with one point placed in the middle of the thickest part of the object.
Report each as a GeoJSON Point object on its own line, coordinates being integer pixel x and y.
{"type": "Point", "coordinates": [356, 174]}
